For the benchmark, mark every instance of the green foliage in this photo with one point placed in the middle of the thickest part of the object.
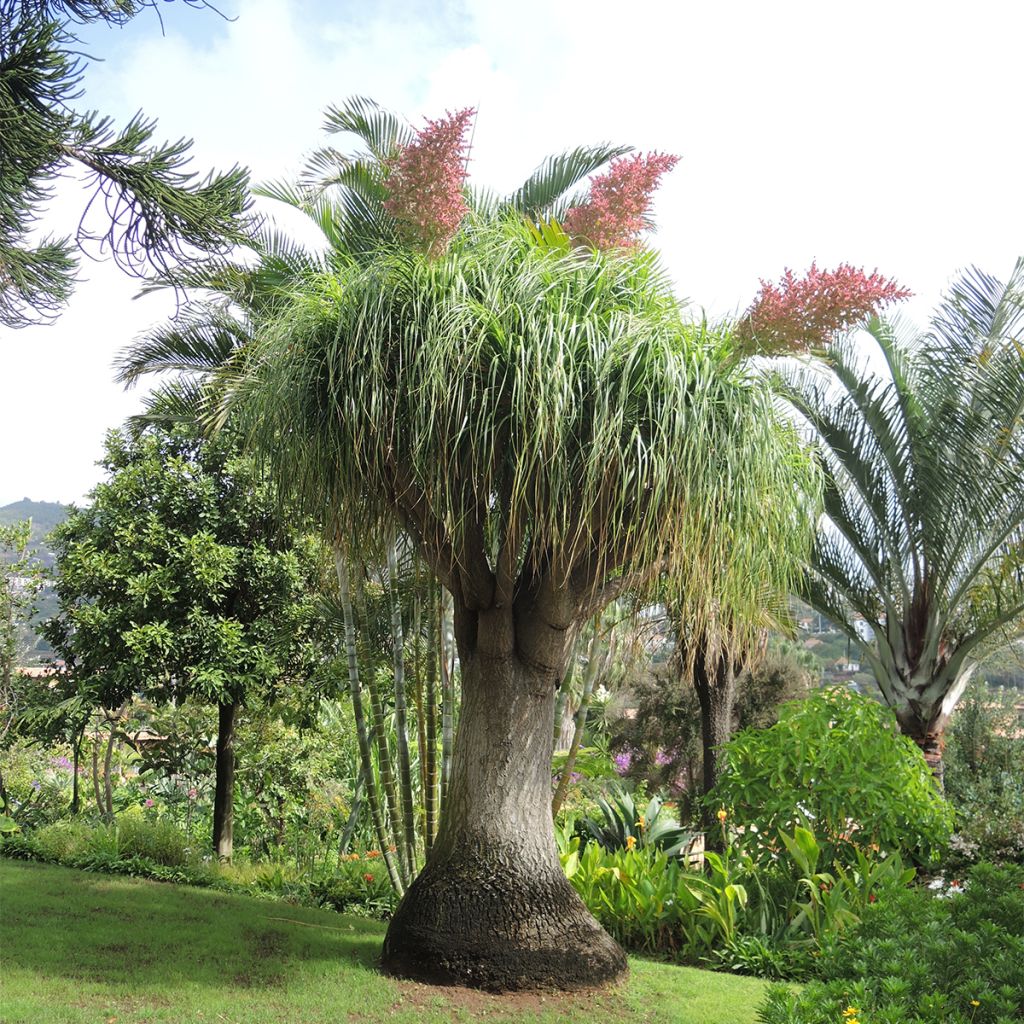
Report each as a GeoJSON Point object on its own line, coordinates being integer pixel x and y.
{"type": "Point", "coordinates": [624, 824]}
{"type": "Point", "coordinates": [178, 579]}
{"type": "Point", "coordinates": [985, 777]}
{"type": "Point", "coordinates": [156, 211]}
{"type": "Point", "coordinates": [917, 958]}
{"type": "Point", "coordinates": [735, 913]}
{"type": "Point", "coordinates": [836, 763]}
{"type": "Point", "coordinates": [616, 391]}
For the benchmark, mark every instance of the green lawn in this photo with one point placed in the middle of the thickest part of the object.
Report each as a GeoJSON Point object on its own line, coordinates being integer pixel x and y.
{"type": "Point", "coordinates": [81, 947]}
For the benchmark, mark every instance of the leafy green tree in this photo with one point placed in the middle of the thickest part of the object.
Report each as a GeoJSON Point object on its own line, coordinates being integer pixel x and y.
{"type": "Point", "coordinates": [178, 583]}
{"type": "Point", "coordinates": [923, 537]}
{"type": "Point", "coordinates": [155, 211]}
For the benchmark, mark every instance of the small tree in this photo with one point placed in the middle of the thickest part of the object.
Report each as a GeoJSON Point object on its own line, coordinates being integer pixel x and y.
{"type": "Point", "coordinates": [178, 582]}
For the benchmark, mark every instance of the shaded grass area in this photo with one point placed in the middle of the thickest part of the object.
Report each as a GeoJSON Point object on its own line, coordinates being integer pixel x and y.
{"type": "Point", "coordinates": [79, 947]}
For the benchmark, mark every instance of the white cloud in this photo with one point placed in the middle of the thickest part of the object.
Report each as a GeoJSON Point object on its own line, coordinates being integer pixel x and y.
{"type": "Point", "coordinates": [880, 134]}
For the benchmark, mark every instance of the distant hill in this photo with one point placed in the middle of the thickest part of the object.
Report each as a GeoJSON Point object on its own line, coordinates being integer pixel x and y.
{"type": "Point", "coordinates": [45, 515]}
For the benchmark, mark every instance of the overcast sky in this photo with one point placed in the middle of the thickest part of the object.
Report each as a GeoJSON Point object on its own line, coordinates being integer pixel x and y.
{"type": "Point", "coordinates": [882, 134]}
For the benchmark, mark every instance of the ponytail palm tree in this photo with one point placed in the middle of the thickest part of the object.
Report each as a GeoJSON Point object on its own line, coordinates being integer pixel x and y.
{"type": "Point", "coordinates": [923, 537]}
{"type": "Point", "coordinates": [549, 431]}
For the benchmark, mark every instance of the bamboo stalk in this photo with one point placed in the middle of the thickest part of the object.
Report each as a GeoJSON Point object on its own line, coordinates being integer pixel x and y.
{"type": "Point", "coordinates": [589, 679]}
{"type": "Point", "coordinates": [421, 723]}
{"type": "Point", "coordinates": [353, 818]}
{"type": "Point", "coordinates": [408, 845]}
{"type": "Point", "coordinates": [430, 787]}
{"type": "Point", "coordinates": [355, 690]}
{"type": "Point", "coordinates": [447, 700]}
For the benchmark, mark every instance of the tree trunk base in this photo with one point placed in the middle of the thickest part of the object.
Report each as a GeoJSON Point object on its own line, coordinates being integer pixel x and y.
{"type": "Point", "coordinates": [487, 923]}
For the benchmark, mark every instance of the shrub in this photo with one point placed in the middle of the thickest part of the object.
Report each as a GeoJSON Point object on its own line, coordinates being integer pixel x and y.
{"type": "Point", "coordinates": [159, 841]}
{"type": "Point", "coordinates": [985, 779]}
{"type": "Point", "coordinates": [735, 914]}
{"type": "Point", "coordinates": [918, 958]}
{"type": "Point", "coordinates": [67, 842]}
{"type": "Point", "coordinates": [836, 762]}
{"type": "Point", "coordinates": [624, 824]}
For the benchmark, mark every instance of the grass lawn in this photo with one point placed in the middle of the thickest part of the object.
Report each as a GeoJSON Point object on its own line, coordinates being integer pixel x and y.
{"type": "Point", "coordinates": [81, 947]}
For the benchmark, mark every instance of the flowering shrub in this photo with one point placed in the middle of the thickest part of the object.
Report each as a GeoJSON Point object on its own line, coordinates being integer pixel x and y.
{"type": "Point", "coordinates": [615, 211]}
{"type": "Point", "coordinates": [425, 184]}
{"type": "Point", "coordinates": [804, 314]}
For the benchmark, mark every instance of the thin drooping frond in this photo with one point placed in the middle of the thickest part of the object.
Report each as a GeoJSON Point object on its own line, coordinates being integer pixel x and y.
{"type": "Point", "coordinates": [526, 415]}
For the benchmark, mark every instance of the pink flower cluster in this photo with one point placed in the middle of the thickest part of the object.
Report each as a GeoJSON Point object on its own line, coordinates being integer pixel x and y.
{"type": "Point", "coordinates": [799, 315]}
{"type": "Point", "coordinates": [615, 212]}
{"type": "Point", "coordinates": [425, 183]}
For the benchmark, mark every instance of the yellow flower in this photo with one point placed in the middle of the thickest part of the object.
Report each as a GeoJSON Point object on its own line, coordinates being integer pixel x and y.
{"type": "Point", "coordinates": [975, 1002]}
{"type": "Point", "coordinates": [722, 814]}
{"type": "Point", "coordinates": [630, 842]}
{"type": "Point", "coordinates": [851, 1011]}
{"type": "Point", "coordinates": [641, 822]}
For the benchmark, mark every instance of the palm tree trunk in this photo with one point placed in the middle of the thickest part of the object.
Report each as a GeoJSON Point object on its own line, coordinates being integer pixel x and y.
{"type": "Point", "coordinates": [929, 737]}
{"type": "Point", "coordinates": [716, 691]}
{"type": "Point", "coordinates": [492, 907]}
{"type": "Point", "coordinates": [362, 733]}
{"type": "Point", "coordinates": [224, 787]}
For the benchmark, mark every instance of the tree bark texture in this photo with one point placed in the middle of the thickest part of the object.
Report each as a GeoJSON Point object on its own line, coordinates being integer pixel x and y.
{"type": "Point", "coordinates": [929, 737]}
{"type": "Point", "coordinates": [224, 794]}
{"type": "Point", "coordinates": [716, 690]}
{"type": "Point", "coordinates": [492, 907]}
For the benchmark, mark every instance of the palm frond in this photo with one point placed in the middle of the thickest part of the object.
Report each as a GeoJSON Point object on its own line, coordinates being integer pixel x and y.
{"type": "Point", "coordinates": [546, 192]}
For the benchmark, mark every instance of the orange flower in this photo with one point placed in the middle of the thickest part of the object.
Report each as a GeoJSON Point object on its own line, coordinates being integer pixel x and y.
{"type": "Point", "coordinates": [373, 853]}
{"type": "Point", "coordinates": [630, 842]}
{"type": "Point", "coordinates": [722, 814]}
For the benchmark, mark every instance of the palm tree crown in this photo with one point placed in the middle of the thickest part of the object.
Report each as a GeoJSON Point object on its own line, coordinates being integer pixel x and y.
{"type": "Point", "coordinates": [924, 531]}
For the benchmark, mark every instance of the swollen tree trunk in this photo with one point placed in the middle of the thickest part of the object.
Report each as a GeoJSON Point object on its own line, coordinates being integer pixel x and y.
{"type": "Point", "coordinates": [492, 907]}
{"type": "Point", "coordinates": [224, 795]}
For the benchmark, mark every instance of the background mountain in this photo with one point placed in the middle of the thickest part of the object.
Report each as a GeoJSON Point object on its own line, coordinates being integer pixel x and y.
{"type": "Point", "coordinates": [45, 515]}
